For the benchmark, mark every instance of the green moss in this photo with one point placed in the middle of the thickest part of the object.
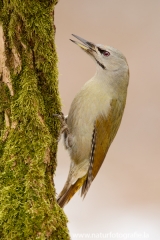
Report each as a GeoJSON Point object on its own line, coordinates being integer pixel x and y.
{"type": "Point", "coordinates": [28, 207]}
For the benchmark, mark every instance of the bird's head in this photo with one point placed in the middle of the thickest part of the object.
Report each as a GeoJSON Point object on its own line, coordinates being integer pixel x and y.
{"type": "Point", "coordinates": [107, 58]}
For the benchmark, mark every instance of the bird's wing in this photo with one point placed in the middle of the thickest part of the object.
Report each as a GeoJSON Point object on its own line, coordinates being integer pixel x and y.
{"type": "Point", "coordinates": [105, 129]}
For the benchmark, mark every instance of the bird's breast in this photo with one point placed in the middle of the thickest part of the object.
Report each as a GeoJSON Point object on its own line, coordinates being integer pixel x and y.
{"type": "Point", "coordinates": [92, 101]}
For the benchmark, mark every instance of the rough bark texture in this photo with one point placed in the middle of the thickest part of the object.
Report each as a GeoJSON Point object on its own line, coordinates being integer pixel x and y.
{"type": "Point", "coordinates": [28, 131]}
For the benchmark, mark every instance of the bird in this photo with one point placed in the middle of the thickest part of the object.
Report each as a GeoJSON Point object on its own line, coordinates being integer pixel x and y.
{"type": "Point", "coordinates": [94, 117]}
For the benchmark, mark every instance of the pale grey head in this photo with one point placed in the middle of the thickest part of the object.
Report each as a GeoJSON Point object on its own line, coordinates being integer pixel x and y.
{"type": "Point", "coordinates": [107, 58]}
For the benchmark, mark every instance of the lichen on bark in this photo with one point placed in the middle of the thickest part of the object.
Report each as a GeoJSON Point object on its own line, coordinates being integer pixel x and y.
{"type": "Point", "coordinates": [28, 131]}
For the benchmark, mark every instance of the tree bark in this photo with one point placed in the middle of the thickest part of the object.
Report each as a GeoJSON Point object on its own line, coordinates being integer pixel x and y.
{"type": "Point", "coordinates": [28, 131]}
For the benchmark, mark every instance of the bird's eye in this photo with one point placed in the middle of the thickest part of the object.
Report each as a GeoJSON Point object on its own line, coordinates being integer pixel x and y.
{"type": "Point", "coordinates": [106, 53]}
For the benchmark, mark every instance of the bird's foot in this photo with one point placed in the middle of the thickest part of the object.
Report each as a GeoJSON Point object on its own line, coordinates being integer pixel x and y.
{"type": "Point", "coordinates": [64, 126]}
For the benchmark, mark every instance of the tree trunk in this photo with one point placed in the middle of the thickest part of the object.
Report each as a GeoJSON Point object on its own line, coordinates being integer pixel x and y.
{"type": "Point", "coordinates": [28, 130]}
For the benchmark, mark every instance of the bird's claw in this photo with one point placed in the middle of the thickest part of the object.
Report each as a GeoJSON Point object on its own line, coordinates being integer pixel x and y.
{"type": "Point", "coordinates": [64, 126]}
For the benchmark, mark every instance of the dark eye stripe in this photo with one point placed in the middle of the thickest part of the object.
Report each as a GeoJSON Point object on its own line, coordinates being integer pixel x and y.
{"type": "Point", "coordinates": [104, 52]}
{"type": "Point", "coordinates": [100, 50]}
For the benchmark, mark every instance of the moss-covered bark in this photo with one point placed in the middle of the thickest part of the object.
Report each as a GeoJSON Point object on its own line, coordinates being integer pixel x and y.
{"type": "Point", "coordinates": [28, 99]}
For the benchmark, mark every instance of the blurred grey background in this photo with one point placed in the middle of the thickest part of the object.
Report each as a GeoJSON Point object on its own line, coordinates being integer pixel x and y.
{"type": "Point", "coordinates": [125, 196]}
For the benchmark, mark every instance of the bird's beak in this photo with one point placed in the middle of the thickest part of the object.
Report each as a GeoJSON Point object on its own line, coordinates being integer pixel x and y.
{"type": "Point", "coordinates": [85, 45]}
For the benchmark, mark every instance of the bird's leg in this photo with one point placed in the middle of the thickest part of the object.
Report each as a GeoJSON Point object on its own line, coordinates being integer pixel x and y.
{"type": "Point", "coordinates": [64, 127]}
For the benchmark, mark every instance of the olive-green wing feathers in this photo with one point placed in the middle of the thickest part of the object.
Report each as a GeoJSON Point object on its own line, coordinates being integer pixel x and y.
{"type": "Point", "coordinates": [105, 129]}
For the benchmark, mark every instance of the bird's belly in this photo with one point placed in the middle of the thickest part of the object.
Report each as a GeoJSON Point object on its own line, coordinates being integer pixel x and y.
{"type": "Point", "coordinates": [81, 124]}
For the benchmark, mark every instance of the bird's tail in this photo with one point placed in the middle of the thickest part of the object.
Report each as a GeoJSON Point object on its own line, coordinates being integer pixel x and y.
{"type": "Point", "coordinates": [68, 191]}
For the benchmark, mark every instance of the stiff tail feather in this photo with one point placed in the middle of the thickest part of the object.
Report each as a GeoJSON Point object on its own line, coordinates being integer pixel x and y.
{"type": "Point", "coordinates": [67, 193]}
